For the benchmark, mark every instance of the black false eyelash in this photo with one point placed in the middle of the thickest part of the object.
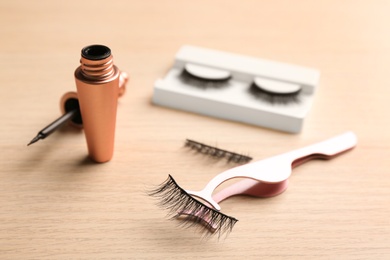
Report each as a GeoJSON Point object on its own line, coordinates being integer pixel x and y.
{"type": "Point", "coordinates": [216, 152]}
{"type": "Point", "coordinates": [192, 80]}
{"type": "Point", "coordinates": [274, 98]}
{"type": "Point", "coordinates": [176, 200]}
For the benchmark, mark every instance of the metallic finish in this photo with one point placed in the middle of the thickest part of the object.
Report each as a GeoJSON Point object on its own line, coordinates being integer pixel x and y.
{"type": "Point", "coordinates": [123, 79]}
{"type": "Point", "coordinates": [97, 83]}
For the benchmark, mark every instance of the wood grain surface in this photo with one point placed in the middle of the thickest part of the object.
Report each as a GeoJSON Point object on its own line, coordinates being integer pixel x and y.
{"type": "Point", "coordinates": [57, 204]}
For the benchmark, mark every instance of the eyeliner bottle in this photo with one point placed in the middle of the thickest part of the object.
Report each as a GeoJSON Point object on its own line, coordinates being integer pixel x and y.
{"type": "Point", "coordinates": [97, 82]}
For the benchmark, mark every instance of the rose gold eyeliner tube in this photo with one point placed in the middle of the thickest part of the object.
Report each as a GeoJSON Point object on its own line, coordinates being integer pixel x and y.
{"type": "Point", "coordinates": [97, 82]}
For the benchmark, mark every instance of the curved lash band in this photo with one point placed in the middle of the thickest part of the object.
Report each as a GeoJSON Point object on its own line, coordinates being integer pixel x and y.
{"type": "Point", "coordinates": [199, 82]}
{"type": "Point", "coordinates": [216, 152]}
{"type": "Point", "coordinates": [190, 211]}
{"type": "Point", "coordinates": [274, 98]}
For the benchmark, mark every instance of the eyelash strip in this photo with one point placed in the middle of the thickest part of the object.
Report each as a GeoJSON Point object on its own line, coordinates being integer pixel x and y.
{"type": "Point", "coordinates": [274, 98]}
{"type": "Point", "coordinates": [192, 80]}
{"type": "Point", "coordinates": [216, 152]}
{"type": "Point", "coordinates": [182, 206]}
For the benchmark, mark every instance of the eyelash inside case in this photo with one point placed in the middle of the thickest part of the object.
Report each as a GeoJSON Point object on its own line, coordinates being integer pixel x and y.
{"type": "Point", "coordinates": [224, 85]}
{"type": "Point", "coordinates": [278, 93]}
{"type": "Point", "coordinates": [204, 77]}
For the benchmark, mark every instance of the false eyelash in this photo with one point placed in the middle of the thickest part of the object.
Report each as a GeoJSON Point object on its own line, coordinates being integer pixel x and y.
{"type": "Point", "coordinates": [175, 199]}
{"type": "Point", "coordinates": [274, 98]}
{"type": "Point", "coordinates": [192, 80]}
{"type": "Point", "coordinates": [216, 152]}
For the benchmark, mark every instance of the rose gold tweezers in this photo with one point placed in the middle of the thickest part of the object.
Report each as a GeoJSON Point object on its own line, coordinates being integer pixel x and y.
{"type": "Point", "coordinates": [268, 177]}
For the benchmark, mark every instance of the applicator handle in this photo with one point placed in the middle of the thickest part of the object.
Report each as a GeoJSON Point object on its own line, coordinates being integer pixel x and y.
{"type": "Point", "coordinates": [277, 169]}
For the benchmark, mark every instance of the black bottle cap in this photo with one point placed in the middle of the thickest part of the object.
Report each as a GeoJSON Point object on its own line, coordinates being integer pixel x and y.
{"type": "Point", "coordinates": [95, 52]}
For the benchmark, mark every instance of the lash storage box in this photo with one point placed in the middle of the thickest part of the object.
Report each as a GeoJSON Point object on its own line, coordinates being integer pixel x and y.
{"type": "Point", "coordinates": [240, 88]}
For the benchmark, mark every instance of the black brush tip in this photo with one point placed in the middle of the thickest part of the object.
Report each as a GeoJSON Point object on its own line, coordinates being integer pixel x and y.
{"type": "Point", "coordinates": [35, 139]}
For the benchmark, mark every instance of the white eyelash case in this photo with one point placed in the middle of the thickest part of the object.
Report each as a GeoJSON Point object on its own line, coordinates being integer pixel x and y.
{"type": "Point", "coordinates": [239, 88]}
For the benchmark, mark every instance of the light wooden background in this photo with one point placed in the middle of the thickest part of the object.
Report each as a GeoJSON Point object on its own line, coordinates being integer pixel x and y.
{"type": "Point", "coordinates": [56, 204]}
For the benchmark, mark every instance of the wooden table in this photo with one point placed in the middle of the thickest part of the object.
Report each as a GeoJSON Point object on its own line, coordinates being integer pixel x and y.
{"type": "Point", "coordinates": [57, 204]}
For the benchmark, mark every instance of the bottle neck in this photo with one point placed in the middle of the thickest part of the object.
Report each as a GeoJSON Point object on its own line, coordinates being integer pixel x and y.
{"type": "Point", "coordinates": [97, 69]}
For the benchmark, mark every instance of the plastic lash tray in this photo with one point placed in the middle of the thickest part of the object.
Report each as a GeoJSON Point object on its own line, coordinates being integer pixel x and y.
{"type": "Point", "coordinates": [239, 88]}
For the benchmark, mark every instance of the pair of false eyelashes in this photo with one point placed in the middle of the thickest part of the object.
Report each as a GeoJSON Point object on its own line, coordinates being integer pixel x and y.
{"type": "Point", "coordinates": [255, 88]}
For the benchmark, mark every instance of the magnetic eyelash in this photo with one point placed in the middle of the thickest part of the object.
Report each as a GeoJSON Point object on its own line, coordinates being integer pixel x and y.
{"type": "Point", "coordinates": [175, 199]}
{"type": "Point", "coordinates": [192, 80]}
{"type": "Point", "coordinates": [274, 98]}
{"type": "Point", "coordinates": [216, 152]}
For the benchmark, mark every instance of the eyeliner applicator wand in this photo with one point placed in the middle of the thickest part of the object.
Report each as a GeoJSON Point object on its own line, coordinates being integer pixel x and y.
{"type": "Point", "coordinates": [45, 132]}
